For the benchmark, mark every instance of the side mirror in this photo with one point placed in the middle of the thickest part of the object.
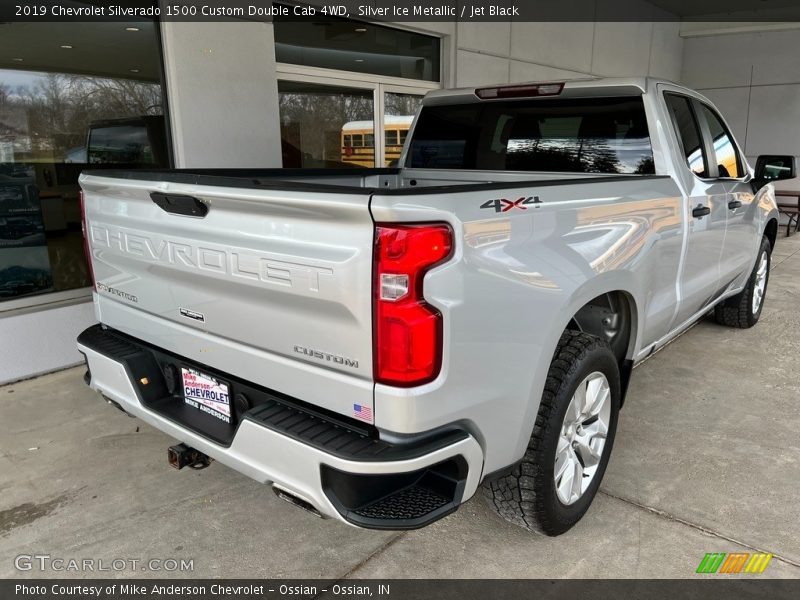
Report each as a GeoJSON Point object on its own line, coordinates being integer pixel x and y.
{"type": "Point", "coordinates": [774, 168]}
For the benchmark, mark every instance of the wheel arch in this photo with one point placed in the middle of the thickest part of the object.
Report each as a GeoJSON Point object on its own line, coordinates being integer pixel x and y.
{"type": "Point", "coordinates": [613, 315]}
{"type": "Point", "coordinates": [771, 231]}
{"type": "Point", "coordinates": [619, 284]}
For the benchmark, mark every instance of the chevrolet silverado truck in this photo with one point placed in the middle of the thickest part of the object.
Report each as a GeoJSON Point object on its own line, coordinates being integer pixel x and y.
{"type": "Point", "coordinates": [377, 344]}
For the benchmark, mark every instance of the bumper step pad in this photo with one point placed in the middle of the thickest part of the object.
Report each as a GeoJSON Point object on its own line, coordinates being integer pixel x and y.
{"type": "Point", "coordinates": [411, 503]}
{"type": "Point", "coordinates": [398, 500]}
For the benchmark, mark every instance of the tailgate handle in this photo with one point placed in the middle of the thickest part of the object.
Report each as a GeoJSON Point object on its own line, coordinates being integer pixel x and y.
{"type": "Point", "coordinates": [178, 204]}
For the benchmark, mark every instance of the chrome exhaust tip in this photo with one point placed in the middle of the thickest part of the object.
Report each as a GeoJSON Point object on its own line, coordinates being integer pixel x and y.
{"type": "Point", "coordinates": [295, 501]}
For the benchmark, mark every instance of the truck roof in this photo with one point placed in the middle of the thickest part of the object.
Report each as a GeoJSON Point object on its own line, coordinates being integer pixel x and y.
{"type": "Point", "coordinates": [586, 87]}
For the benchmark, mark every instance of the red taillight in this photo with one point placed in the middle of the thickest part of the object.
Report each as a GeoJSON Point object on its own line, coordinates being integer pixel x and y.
{"type": "Point", "coordinates": [86, 251]}
{"type": "Point", "coordinates": [520, 91]}
{"type": "Point", "coordinates": [408, 331]}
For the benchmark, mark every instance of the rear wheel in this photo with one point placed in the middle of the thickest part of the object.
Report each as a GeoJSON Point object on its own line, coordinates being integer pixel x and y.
{"type": "Point", "coordinates": [557, 479]}
{"type": "Point", "coordinates": [744, 309]}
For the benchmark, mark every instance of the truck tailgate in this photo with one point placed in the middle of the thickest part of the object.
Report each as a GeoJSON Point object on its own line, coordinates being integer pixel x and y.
{"type": "Point", "coordinates": [270, 285]}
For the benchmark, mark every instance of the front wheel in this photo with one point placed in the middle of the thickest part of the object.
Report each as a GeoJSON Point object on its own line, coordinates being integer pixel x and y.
{"type": "Point", "coordinates": [554, 484]}
{"type": "Point", "coordinates": [744, 309]}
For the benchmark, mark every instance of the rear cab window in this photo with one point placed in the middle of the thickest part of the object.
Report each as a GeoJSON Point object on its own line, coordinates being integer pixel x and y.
{"type": "Point", "coordinates": [576, 135]}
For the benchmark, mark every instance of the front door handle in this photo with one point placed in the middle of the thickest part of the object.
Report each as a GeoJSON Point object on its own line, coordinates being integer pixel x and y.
{"type": "Point", "coordinates": [734, 204]}
{"type": "Point", "coordinates": [700, 211]}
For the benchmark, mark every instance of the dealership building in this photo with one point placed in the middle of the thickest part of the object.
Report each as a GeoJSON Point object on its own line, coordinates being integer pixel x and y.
{"type": "Point", "coordinates": [295, 93]}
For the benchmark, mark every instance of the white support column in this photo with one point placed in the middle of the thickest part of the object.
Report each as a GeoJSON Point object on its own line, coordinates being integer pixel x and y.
{"type": "Point", "coordinates": [223, 94]}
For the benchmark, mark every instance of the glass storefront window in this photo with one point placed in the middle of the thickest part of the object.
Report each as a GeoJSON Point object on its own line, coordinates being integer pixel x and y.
{"type": "Point", "coordinates": [326, 126]}
{"type": "Point", "coordinates": [329, 120]}
{"type": "Point", "coordinates": [66, 103]}
{"type": "Point", "coordinates": [399, 111]}
{"type": "Point", "coordinates": [347, 45]}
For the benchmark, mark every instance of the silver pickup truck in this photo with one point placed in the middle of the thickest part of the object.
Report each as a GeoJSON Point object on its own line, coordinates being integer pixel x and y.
{"type": "Point", "coordinates": [376, 344]}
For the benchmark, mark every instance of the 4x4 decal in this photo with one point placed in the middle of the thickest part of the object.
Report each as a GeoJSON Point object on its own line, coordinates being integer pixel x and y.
{"type": "Point", "coordinates": [504, 205]}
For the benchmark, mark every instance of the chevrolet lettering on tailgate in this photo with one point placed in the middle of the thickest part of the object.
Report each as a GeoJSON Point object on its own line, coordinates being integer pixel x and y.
{"type": "Point", "coordinates": [186, 255]}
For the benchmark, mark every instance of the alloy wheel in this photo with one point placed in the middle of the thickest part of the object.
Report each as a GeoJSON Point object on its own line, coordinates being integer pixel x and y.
{"type": "Point", "coordinates": [761, 282]}
{"type": "Point", "coordinates": [583, 437]}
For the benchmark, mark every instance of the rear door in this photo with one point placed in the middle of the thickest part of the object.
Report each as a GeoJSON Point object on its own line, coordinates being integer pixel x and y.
{"type": "Point", "coordinates": [706, 208]}
{"type": "Point", "coordinates": [742, 232]}
{"type": "Point", "coordinates": [272, 286]}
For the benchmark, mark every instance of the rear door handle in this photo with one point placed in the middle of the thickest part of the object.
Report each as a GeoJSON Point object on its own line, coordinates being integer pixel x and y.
{"type": "Point", "coordinates": [734, 204]}
{"type": "Point", "coordinates": [700, 211]}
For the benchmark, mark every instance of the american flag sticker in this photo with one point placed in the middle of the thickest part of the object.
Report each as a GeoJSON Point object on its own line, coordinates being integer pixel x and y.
{"type": "Point", "coordinates": [362, 412]}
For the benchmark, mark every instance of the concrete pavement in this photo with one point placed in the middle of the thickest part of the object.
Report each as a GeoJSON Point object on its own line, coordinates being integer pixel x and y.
{"type": "Point", "coordinates": [707, 459]}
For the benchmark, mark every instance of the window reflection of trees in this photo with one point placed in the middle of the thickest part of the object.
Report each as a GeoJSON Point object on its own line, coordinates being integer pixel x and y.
{"type": "Point", "coordinates": [587, 155]}
{"type": "Point", "coordinates": [319, 123]}
{"type": "Point", "coordinates": [311, 122]}
{"type": "Point", "coordinates": [45, 119]}
{"type": "Point", "coordinates": [51, 116]}
{"type": "Point", "coordinates": [401, 105]}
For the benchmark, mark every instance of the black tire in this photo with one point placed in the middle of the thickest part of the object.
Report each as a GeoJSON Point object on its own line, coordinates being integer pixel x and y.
{"type": "Point", "coordinates": [737, 311]}
{"type": "Point", "coordinates": [527, 495]}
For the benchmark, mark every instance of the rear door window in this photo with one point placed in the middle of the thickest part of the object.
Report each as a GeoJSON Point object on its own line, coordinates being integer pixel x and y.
{"type": "Point", "coordinates": [688, 133]}
{"type": "Point", "coordinates": [587, 135]}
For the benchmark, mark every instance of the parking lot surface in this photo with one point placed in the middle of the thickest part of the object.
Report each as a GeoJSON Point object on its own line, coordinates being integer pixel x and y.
{"type": "Point", "coordinates": [707, 459]}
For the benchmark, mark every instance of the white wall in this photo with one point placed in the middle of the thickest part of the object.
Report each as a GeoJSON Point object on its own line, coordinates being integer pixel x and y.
{"type": "Point", "coordinates": [528, 51]}
{"type": "Point", "coordinates": [754, 79]}
{"type": "Point", "coordinates": [223, 94]}
{"type": "Point", "coordinates": [43, 341]}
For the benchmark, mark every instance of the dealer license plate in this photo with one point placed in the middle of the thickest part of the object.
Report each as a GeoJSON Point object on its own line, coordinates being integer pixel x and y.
{"type": "Point", "coordinates": [207, 394]}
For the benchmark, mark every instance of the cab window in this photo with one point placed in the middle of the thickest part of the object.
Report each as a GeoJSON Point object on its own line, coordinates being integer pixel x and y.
{"type": "Point", "coordinates": [573, 135]}
{"type": "Point", "coordinates": [729, 164]}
